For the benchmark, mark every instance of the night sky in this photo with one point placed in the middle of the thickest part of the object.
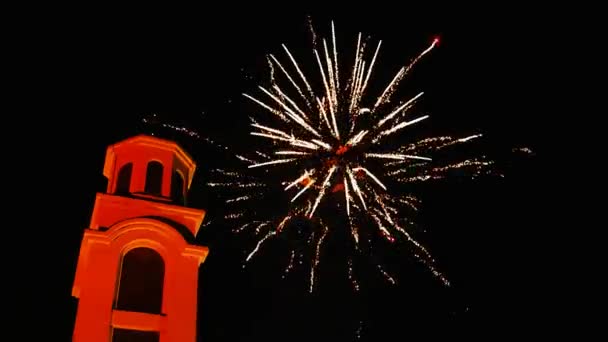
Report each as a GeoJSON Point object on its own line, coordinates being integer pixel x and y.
{"type": "Point", "coordinates": [120, 68]}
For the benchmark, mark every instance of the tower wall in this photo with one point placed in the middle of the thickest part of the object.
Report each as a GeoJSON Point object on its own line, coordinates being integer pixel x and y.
{"type": "Point", "coordinates": [123, 223]}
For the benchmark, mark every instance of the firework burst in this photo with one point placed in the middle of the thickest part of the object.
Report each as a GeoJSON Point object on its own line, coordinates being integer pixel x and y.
{"type": "Point", "coordinates": [335, 144]}
{"type": "Point", "coordinates": [326, 140]}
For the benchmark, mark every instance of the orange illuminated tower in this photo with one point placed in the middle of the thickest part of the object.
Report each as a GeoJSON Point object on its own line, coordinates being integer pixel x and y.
{"type": "Point", "coordinates": [137, 272]}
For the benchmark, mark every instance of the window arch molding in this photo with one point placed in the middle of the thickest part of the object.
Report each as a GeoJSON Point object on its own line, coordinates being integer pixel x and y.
{"type": "Point", "coordinates": [149, 233]}
{"type": "Point", "coordinates": [145, 243]}
{"type": "Point", "coordinates": [133, 233]}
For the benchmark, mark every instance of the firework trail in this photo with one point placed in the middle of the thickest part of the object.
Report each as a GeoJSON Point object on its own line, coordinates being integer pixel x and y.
{"type": "Point", "coordinates": [334, 135]}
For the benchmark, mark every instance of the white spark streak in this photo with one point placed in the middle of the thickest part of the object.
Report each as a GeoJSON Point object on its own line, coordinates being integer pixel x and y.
{"type": "Point", "coordinates": [279, 161]}
{"type": "Point", "coordinates": [295, 64]}
{"type": "Point", "coordinates": [272, 130]}
{"type": "Point", "coordinates": [328, 96]}
{"type": "Point", "coordinates": [398, 110]}
{"type": "Point", "coordinates": [322, 144]}
{"type": "Point", "coordinates": [469, 138]}
{"type": "Point", "coordinates": [290, 79]}
{"type": "Point", "coordinates": [267, 107]}
{"type": "Point", "coordinates": [384, 98]}
{"type": "Point", "coordinates": [357, 138]}
{"type": "Point", "coordinates": [238, 199]}
{"type": "Point", "coordinates": [303, 190]}
{"type": "Point", "coordinates": [347, 195]}
{"type": "Point", "coordinates": [292, 141]}
{"type": "Point", "coordinates": [290, 112]}
{"type": "Point", "coordinates": [322, 191]}
{"type": "Point", "coordinates": [371, 175]}
{"type": "Point", "coordinates": [305, 175]}
{"type": "Point", "coordinates": [398, 127]}
{"type": "Point", "coordinates": [257, 247]}
{"type": "Point", "coordinates": [304, 116]}
{"type": "Point", "coordinates": [316, 262]}
{"type": "Point", "coordinates": [337, 73]}
{"type": "Point", "coordinates": [291, 153]}
{"type": "Point", "coordinates": [371, 66]}
{"type": "Point", "coordinates": [323, 114]}
{"type": "Point", "coordinates": [355, 187]}
{"type": "Point", "coordinates": [394, 156]}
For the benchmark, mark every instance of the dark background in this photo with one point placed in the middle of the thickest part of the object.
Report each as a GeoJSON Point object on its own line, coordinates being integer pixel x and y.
{"type": "Point", "coordinates": [111, 68]}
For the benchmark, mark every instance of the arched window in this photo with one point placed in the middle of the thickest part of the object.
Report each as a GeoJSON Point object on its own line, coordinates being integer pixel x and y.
{"type": "Point", "coordinates": [141, 281]}
{"type": "Point", "coordinates": [123, 181]}
{"type": "Point", "coordinates": [124, 335]}
{"type": "Point", "coordinates": [177, 188]}
{"type": "Point", "coordinates": [154, 178]}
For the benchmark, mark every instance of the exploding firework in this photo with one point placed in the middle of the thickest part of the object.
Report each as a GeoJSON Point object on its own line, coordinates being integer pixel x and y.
{"type": "Point", "coordinates": [326, 138]}
{"type": "Point", "coordinates": [335, 144]}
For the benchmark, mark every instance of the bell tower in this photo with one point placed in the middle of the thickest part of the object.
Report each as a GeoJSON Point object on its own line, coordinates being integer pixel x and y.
{"type": "Point", "coordinates": [137, 272]}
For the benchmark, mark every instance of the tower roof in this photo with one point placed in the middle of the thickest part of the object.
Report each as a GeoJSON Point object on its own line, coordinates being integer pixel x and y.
{"type": "Point", "coordinates": [149, 141]}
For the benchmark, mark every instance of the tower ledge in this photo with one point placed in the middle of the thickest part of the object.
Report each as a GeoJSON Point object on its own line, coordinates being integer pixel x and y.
{"type": "Point", "coordinates": [110, 209]}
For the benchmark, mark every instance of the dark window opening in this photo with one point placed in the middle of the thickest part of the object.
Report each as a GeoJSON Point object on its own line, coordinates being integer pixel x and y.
{"type": "Point", "coordinates": [154, 178]}
{"type": "Point", "coordinates": [177, 188]}
{"type": "Point", "coordinates": [123, 181]}
{"type": "Point", "coordinates": [141, 281]}
{"type": "Point", "coordinates": [124, 335]}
